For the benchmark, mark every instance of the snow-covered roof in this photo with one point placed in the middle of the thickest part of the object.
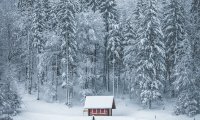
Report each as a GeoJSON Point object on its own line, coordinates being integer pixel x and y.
{"type": "Point", "coordinates": [92, 102]}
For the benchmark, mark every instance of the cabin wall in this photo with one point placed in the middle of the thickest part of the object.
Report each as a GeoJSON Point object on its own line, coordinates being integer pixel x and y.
{"type": "Point", "coordinates": [100, 112]}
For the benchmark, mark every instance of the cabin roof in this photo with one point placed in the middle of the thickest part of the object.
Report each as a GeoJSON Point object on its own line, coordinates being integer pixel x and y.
{"type": "Point", "coordinates": [96, 102]}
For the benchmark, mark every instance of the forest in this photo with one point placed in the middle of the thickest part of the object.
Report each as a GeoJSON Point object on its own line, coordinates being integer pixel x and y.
{"type": "Point", "coordinates": [63, 50]}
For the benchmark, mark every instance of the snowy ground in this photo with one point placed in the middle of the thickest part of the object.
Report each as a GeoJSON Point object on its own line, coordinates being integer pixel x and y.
{"type": "Point", "coordinates": [41, 110]}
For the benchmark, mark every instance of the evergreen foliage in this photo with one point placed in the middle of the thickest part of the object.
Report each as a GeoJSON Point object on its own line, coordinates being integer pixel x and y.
{"type": "Point", "coordinates": [66, 49]}
{"type": "Point", "coordinates": [174, 30]}
{"type": "Point", "coordinates": [67, 29]}
{"type": "Point", "coordinates": [150, 57]}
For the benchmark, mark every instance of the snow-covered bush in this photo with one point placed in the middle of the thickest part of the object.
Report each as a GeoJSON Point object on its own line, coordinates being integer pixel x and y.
{"type": "Point", "coordinates": [9, 100]}
{"type": "Point", "coordinates": [187, 104]}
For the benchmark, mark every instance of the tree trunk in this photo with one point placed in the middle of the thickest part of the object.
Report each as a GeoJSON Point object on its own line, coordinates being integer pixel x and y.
{"type": "Point", "coordinates": [105, 66]}
{"type": "Point", "coordinates": [113, 75]}
{"type": "Point", "coordinates": [38, 78]}
{"type": "Point", "coordinates": [149, 104]}
{"type": "Point", "coordinates": [67, 80]}
{"type": "Point", "coordinates": [38, 88]}
{"type": "Point", "coordinates": [56, 94]}
{"type": "Point", "coordinates": [29, 65]}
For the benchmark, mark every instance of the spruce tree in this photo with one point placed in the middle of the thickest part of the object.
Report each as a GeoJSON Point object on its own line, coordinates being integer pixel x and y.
{"type": "Point", "coordinates": [10, 101]}
{"type": "Point", "coordinates": [150, 57]}
{"type": "Point", "coordinates": [185, 84]}
{"type": "Point", "coordinates": [115, 50]}
{"type": "Point", "coordinates": [195, 38]}
{"type": "Point", "coordinates": [47, 13]}
{"type": "Point", "coordinates": [131, 33]}
{"type": "Point", "coordinates": [187, 77]}
{"type": "Point", "coordinates": [67, 30]}
{"type": "Point", "coordinates": [109, 14]}
{"type": "Point", "coordinates": [24, 5]}
{"type": "Point", "coordinates": [38, 27]}
{"type": "Point", "coordinates": [38, 42]}
{"type": "Point", "coordinates": [129, 43]}
{"type": "Point", "coordinates": [26, 8]}
{"type": "Point", "coordinates": [94, 4]}
{"type": "Point", "coordinates": [173, 28]}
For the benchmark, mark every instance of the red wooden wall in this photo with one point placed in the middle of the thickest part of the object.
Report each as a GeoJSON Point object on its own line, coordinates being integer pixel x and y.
{"type": "Point", "coordinates": [98, 112]}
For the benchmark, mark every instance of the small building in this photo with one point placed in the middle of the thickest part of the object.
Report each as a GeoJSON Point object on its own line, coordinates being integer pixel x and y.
{"type": "Point", "coordinates": [99, 105]}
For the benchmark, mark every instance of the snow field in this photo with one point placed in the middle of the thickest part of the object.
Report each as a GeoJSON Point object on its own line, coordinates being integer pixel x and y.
{"type": "Point", "coordinates": [41, 110]}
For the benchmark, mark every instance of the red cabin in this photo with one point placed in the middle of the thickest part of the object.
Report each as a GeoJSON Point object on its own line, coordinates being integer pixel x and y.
{"type": "Point", "coordinates": [99, 105]}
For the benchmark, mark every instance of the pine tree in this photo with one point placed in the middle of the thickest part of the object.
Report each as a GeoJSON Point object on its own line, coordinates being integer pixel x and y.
{"type": "Point", "coordinates": [38, 27]}
{"type": "Point", "coordinates": [115, 50]}
{"type": "Point", "coordinates": [187, 80]}
{"type": "Point", "coordinates": [47, 10]}
{"type": "Point", "coordinates": [150, 57]}
{"type": "Point", "coordinates": [24, 5]}
{"type": "Point", "coordinates": [130, 35]}
{"type": "Point", "coordinates": [131, 45]}
{"type": "Point", "coordinates": [87, 57]}
{"type": "Point", "coordinates": [185, 84]}
{"type": "Point", "coordinates": [67, 27]}
{"type": "Point", "coordinates": [9, 99]}
{"type": "Point", "coordinates": [174, 23]}
{"type": "Point", "coordinates": [129, 32]}
{"type": "Point", "coordinates": [109, 14]}
{"type": "Point", "coordinates": [114, 45]}
{"type": "Point", "coordinates": [26, 8]}
{"type": "Point", "coordinates": [139, 11]}
{"type": "Point", "coordinates": [195, 37]}
{"type": "Point", "coordinates": [39, 41]}
{"type": "Point", "coordinates": [94, 4]}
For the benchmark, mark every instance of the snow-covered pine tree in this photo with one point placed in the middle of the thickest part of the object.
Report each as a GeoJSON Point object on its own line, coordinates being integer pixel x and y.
{"type": "Point", "coordinates": [85, 56]}
{"type": "Point", "coordinates": [9, 99]}
{"type": "Point", "coordinates": [10, 65]}
{"type": "Point", "coordinates": [87, 37]}
{"type": "Point", "coordinates": [67, 30]}
{"type": "Point", "coordinates": [129, 33]}
{"type": "Point", "coordinates": [187, 71]}
{"type": "Point", "coordinates": [26, 8]}
{"type": "Point", "coordinates": [109, 14]}
{"type": "Point", "coordinates": [139, 12]}
{"type": "Point", "coordinates": [173, 29]}
{"type": "Point", "coordinates": [115, 49]}
{"type": "Point", "coordinates": [114, 45]}
{"type": "Point", "coordinates": [38, 27]}
{"type": "Point", "coordinates": [83, 5]}
{"type": "Point", "coordinates": [185, 83]}
{"type": "Point", "coordinates": [195, 38]}
{"type": "Point", "coordinates": [128, 38]}
{"type": "Point", "coordinates": [49, 19]}
{"type": "Point", "coordinates": [47, 11]}
{"type": "Point", "coordinates": [24, 5]}
{"type": "Point", "coordinates": [94, 4]}
{"type": "Point", "coordinates": [38, 42]}
{"type": "Point", "coordinates": [130, 49]}
{"type": "Point", "coordinates": [150, 57]}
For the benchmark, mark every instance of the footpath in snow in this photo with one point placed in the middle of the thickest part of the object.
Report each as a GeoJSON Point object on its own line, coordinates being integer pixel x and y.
{"type": "Point", "coordinates": [41, 110]}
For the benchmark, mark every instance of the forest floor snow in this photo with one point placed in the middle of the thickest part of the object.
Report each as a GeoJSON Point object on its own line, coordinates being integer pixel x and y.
{"type": "Point", "coordinates": [33, 109]}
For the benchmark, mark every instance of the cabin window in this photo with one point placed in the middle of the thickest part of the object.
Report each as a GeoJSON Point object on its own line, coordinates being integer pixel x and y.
{"type": "Point", "coordinates": [94, 111]}
{"type": "Point", "coordinates": [102, 110]}
{"type": "Point", "coordinates": [98, 110]}
{"type": "Point", "coordinates": [106, 111]}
